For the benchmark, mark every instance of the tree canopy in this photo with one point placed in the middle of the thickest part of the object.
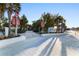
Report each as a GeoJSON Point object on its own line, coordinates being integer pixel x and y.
{"type": "Point", "coordinates": [50, 21]}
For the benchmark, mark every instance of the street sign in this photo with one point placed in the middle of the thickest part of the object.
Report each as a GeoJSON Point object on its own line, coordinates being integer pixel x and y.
{"type": "Point", "coordinates": [15, 21]}
{"type": "Point", "coordinates": [42, 23]}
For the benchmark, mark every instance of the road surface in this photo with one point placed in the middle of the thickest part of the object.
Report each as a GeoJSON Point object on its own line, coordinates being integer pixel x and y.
{"type": "Point", "coordinates": [64, 44]}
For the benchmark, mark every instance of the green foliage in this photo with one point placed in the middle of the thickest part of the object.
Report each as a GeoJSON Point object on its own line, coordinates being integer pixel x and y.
{"type": "Point", "coordinates": [2, 10]}
{"type": "Point", "coordinates": [17, 7]}
{"type": "Point", "coordinates": [50, 21]}
{"type": "Point", "coordinates": [23, 24]}
{"type": "Point", "coordinates": [12, 7]}
{"type": "Point", "coordinates": [60, 19]}
{"type": "Point", "coordinates": [36, 26]}
{"type": "Point", "coordinates": [6, 24]}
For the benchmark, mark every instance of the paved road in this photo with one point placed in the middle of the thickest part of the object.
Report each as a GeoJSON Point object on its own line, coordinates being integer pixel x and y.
{"type": "Point", "coordinates": [20, 46]}
{"type": "Point", "coordinates": [49, 45]}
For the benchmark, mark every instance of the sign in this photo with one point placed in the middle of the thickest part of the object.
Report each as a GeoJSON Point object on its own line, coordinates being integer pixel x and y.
{"type": "Point", "coordinates": [15, 21]}
{"type": "Point", "coordinates": [42, 23]}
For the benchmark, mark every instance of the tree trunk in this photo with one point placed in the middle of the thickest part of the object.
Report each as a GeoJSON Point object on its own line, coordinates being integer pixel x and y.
{"type": "Point", "coordinates": [9, 17]}
{"type": "Point", "coordinates": [16, 28]}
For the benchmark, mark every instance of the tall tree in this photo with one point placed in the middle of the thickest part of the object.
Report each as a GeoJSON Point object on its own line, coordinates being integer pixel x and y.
{"type": "Point", "coordinates": [49, 20]}
{"type": "Point", "coordinates": [23, 23]}
{"type": "Point", "coordinates": [36, 26]}
{"type": "Point", "coordinates": [12, 7]}
{"type": "Point", "coordinates": [2, 10]}
{"type": "Point", "coordinates": [60, 23]}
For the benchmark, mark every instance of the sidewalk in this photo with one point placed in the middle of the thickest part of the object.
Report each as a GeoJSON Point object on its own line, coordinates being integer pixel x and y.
{"type": "Point", "coordinates": [24, 36]}
{"type": "Point", "coordinates": [6, 42]}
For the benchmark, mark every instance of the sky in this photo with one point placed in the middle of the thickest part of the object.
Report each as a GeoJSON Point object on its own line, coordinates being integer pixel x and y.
{"type": "Point", "coordinates": [70, 12]}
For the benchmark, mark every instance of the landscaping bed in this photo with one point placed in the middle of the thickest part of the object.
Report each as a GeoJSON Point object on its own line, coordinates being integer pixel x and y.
{"type": "Point", "coordinates": [2, 37]}
{"type": "Point", "coordinates": [8, 41]}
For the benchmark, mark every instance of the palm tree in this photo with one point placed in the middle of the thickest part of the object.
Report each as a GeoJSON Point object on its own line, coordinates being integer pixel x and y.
{"type": "Point", "coordinates": [59, 21]}
{"type": "Point", "coordinates": [2, 10]}
{"type": "Point", "coordinates": [23, 23]}
{"type": "Point", "coordinates": [12, 7]}
{"type": "Point", "coordinates": [16, 8]}
{"type": "Point", "coordinates": [9, 12]}
{"type": "Point", "coordinates": [48, 19]}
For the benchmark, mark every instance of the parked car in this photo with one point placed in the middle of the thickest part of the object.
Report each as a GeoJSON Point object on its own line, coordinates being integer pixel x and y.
{"type": "Point", "coordinates": [51, 30]}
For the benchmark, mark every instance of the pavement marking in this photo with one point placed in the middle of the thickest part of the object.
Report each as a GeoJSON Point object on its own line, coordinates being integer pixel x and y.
{"type": "Point", "coordinates": [36, 50]}
{"type": "Point", "coordinates": [51, 46]}
{"type": "Point", "coordinates": [42, 46]}
{"type": "Point", "coordinates": [56, 51]}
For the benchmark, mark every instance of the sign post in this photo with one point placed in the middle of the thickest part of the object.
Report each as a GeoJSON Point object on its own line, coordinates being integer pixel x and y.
{"type": "Point", "coordinates": [6, 31]}
{"type": "Point", "coordinates": [42, 25]}
{"type": "Point", "coordinates": [16, 22]}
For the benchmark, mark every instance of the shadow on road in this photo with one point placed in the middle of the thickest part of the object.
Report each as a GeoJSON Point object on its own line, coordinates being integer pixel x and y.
{"type": "Point", "coordinates": [63, 50]}
{"type": "Point", "coordinates": [68, 41]}
{"type": "Point", "coordinates": [48, 47]}
{"type": "Point", "coordinates": [15, 48]}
